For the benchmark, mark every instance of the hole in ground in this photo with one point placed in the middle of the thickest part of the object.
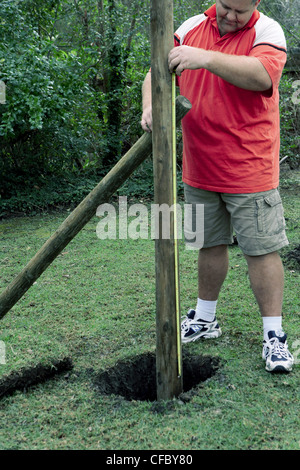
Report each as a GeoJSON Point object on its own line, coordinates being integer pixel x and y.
{"type": "Point", "coordinates": [135, 379]}
{"type": "Point", "coordinates": [34, 375]}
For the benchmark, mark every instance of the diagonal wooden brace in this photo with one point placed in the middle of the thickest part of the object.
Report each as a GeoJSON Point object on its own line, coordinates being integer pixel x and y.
{"type": "Point", "coordinates": [82, 214]}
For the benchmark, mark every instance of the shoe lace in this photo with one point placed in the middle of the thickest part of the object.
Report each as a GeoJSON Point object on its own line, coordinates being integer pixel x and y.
{"type": "Point", "coordinates": [278, 348]}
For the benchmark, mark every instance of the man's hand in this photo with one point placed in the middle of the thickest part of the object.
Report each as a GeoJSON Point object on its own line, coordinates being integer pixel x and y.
{"type": "Point", "coordinates": [186, 57]}
{"type": "Point", "coordinates": [146, 121]}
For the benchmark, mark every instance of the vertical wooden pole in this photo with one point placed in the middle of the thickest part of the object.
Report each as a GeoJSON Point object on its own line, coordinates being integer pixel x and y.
{"type": "Point", "coordinates": [169, 383]}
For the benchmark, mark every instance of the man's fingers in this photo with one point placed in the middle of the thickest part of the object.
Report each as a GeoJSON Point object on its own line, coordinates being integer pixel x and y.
{"type": "Point", "coordinates": [174, 60]}
{"type": "Point", "coordinates": [147, 127]}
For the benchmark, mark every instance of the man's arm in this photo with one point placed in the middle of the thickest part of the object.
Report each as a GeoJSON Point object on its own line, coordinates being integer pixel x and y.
{"type": "Point", "coordinates": [146, 121]}
{"type": "Point", "coordinates": [242, 71]}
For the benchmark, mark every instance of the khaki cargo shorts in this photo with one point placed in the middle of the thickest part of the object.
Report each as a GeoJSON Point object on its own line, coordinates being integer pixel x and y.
{"type": "Point", "coordinates": [256, 219]}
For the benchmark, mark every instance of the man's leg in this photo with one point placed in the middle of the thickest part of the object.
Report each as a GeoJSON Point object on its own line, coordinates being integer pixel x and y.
{"type": "Point", "coordinates": [267, 280]}
{"type": "Point", "coordinates": [212, 271]}
{"type": "Point", "coordinates": [216, 235]}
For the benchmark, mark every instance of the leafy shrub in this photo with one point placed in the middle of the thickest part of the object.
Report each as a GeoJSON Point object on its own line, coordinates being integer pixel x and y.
{"type": "Point", "coordinates": [289, 122]}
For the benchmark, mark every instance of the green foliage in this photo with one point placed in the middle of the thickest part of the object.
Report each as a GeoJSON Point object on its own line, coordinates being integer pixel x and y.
{"type": "Point", "coordinates": [47, 194]}
{"type": "Point", "coordinates": [73, 74]}
{"type": "Point", "coordinates": [39, 132]}
{"type": "Point", "coordinates": [290, 122]}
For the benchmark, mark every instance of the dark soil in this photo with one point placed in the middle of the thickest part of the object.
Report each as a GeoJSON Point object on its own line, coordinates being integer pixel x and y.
{"type": "Point", "coordinates": [136, 379]}
{"type": "Point", "coordinates": [30, 376]}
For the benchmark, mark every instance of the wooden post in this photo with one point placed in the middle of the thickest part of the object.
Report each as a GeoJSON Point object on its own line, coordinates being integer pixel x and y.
{"type": "Point", "coordinates": [81, 215]}
{"type": "Point", "coordinates": [169, 382]}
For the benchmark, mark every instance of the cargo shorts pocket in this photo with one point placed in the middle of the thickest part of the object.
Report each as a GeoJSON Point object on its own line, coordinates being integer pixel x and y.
{"type": "Point", "coordinates": [269, 212]}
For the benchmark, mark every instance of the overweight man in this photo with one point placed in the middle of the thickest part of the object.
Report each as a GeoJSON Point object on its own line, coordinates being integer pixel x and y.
{"type": "Point", "coordinates": [228, 61]}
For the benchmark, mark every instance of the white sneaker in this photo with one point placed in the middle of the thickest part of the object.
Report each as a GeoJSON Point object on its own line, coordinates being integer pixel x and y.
{"type": "Point", "coordinates": [276, 354]}
{"type": "Point", "coordinates": [191, 329]}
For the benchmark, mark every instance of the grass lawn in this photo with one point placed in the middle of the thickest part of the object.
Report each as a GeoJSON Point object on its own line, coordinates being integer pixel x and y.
{"type": "Point", "coordinates": [96, 305]}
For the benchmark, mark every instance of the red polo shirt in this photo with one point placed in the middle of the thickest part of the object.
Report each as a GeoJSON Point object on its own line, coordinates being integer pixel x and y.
{"type": "Point", "coordinates": [231, 136]}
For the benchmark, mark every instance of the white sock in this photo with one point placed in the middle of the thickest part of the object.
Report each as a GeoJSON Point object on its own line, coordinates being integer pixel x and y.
{"type": "Point", "coordinates": [206, 309]}
{"type": "Point", "coordinates": [271, 324]}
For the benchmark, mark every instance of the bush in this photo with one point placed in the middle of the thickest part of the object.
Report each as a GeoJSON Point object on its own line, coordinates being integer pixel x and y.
{"type": "Point", "coordinates": [289, 121]}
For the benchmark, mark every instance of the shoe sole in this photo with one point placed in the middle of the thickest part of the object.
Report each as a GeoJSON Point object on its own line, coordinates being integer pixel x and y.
{"type": "Point", "coordinates": [279, 368]}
